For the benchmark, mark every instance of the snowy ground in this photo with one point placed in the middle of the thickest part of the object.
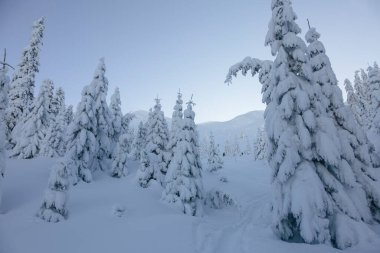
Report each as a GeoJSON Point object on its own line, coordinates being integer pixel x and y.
{"type": "Point", "coordinates": [147, 224]}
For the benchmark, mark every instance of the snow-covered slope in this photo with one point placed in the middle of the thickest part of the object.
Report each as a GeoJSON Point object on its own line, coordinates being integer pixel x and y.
{"type": "Point", "coordinates": [242, 125]}
{"type": "Point", "coordinates": [147, 225]}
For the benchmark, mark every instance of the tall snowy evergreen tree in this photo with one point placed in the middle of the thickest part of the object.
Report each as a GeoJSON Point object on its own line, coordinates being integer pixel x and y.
{"type": "Point", "coordinates": [115, 108]}
{"type": "Point", "coordinates": [214, 160]}
{"type": "Point", "coordinates": [333, 103]}
{"type": "Point", "coordinates": [260, 145]}
{"type": "Point", "coordinates": [58, 102]}
{"type": "Point", "coordinates": [146, 171]}
{"type": "Point", "coordinates": [31, 132]}
{"type": "Point", "coordinates": [50, 100]}
{"type": "Point", "coordinates": [176, 126]}
{"type": "Point", "coordinates": [139, 142]}
{"type": "Point", "coordinates": [127, 129]}
{"type": "Point", "coordinates": [103, 117]}
{"type": "Point", "coordinates": [119, 157]}
{"type": "Point", "coordinates": [126, 123]}
{"type": "Point", "coordinates": [360, 102]}
{"type": "Point", "coordinates": [184, 179]}
{"type": "Point", "coordinates": [89, 136]}
{"type": "Point", "coordinates": [4, 82]}
{"type": "Point", "coordinates": [82, 145]}
{"type": "Point", "coordinates": [361, 92]}
{"type": "Point", "coordinates": [324, 189]}
{"type": "Point", "coordinates": [55, 139]}
{"type": "Point", "coordinates": [156, 143]}
{"type": "Point", "coordinates": [352, 100]}
{"type": "Point", "coordinates": [69, 115]}
{"type": "Point", "coordinates": [21, 93]}
{"type": "Point", "coordinates": [374, 106]}
{"type": "Point", "coordinates": [374, 95]}
{"type": "Point", "coordinates": [53, 208]}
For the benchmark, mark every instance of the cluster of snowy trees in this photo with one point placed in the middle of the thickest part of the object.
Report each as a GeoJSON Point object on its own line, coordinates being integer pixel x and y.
{"type": "Point", "coordinates": [364, 101]}
{"type": "Point", "coordinates": [172, 158]}
{"type": "Point", "coordinates": [97, 140]}
{"type": "Point", "coordinates": [98, 137]}
{"type": "Point", "coordinates": [21, 91]}
{"type": "Point", "coordinates": [34, 126]}
{"type": "Point", "coordinates": [237, 146]}
{"type": "Point", "coordinates": [323, 181]}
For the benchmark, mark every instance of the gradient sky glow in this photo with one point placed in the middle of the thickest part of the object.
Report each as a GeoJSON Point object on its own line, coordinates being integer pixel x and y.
{"type": "Point", "coordinates": [155, 47]}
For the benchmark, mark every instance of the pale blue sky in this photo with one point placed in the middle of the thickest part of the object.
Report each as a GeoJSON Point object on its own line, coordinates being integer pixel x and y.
{"type": "Point", "coordinates": [156, 47]}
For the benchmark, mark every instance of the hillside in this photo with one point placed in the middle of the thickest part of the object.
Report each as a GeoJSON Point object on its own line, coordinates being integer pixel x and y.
{"type": "Point", "coordinates": [242, 125]}
{"type": "Point", "coordinates": [245, 124]}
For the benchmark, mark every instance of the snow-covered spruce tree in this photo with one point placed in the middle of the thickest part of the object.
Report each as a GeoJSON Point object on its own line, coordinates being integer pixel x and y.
{"type": "Point", "coordinates": [361, 92]}
{"type": "Point", "coordinates": [184, 179]}
{"type": "Point", "coordinates": [58, 102]}
{"type": "Point", "coordinates": [48, 96]}
{"type": "Point", "coordinates": [4, 82]}
{"type": "Point", "coordinates": [49, 99]}
{"type": "Point", "coordinates": [352, 100]}
{"type": "Point", "coordinates": [69, 115]}
{"type": "Point", "coordinates": [119, 157]}
{"type": "Point", "coordinates": [82, 144]}
{"type": "Point", "coordinates": [32, 131]}
{"type": "Point", "coordinates": [332, 101]}
{"type": "Point", "coordinates": [361, 106]}
{"type": "Point", "coordinates": [374, 106]}
{"type": "Point", "coordinates": [177, 117]}
{"type": "Point", "coordinates": [374, 97]}
{"type": "Point", "coordinates": [55, 140]}
{"type": "Point", "coordinates": [128, 130]}
{"type": "Point", "coordinates": [103, 117]}
{"type": "Point", "coordinates": [126, 122]}
{"type": "Point", "coordinates": [146, 171]}
{"type": "Point", "coordinates": [260, 145]}
{"type": "Point", "coordinates": [21, 93]}
{"type": "Point", "coordinates": [53, 208]}
{"type": "Point", "coordinates": [139, 142]}
{"type": "Point", "coordinates": [156, 143]}
{"type": "Point", "coordinates": [115, 108]}
{"type": "Point", "coordinates": [324, 189]}
{"type": "Point", "coordinates": [214, 160]}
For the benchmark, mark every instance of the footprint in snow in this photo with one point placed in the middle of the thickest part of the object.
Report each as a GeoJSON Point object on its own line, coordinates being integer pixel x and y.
{"type": "Point", "coordinates": [118, 210]}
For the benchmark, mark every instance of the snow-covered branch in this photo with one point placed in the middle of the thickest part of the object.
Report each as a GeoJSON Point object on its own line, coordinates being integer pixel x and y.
{"type": "Point", "coordinates": [248, 63]}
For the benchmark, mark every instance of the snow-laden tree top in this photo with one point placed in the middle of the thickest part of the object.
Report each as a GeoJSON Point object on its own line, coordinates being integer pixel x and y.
{"type": "Point", "coordinates": [282, 26]}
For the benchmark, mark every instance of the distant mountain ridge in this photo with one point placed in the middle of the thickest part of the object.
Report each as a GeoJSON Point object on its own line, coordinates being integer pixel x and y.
{"type": "Point", "coordinates": [242, 125]}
